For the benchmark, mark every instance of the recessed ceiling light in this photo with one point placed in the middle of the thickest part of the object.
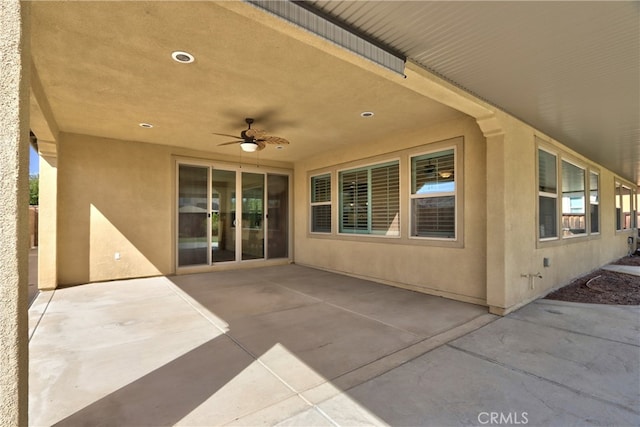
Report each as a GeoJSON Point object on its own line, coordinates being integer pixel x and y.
{"type": "Point", "coordinates": [145, 125]}
{"type": "Point", "coordinates": [183, 57]}
{"type": "Point", "coordinates": [279, 147]}
{"type": "Point", "coordinates": [366, 114]}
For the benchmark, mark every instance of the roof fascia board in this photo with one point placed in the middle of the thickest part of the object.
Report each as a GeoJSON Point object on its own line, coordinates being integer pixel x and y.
{"type": "Point", "coordinates": [327, 27]}
{"type": "Point", "coordinates": [416, 77]}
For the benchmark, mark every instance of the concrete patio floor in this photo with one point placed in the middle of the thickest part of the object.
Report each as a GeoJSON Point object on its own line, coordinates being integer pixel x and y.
{"type": "Point", "coordinates": [291, 345]}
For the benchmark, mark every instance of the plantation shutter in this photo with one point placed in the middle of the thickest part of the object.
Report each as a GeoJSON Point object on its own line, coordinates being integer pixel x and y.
{"type": "Point", "coordinates": [385, 200]}
{"type": "Point", "coordinates": [355, 199]}
{"type": "Point", "coordinates": [321, 204]}
{"type": "Point", "coordinates": [321, 188]}
{"type": "Point", "coordinates": [434, 217]}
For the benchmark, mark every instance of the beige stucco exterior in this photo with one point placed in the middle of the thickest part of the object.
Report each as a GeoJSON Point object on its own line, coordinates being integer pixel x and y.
{"type": "Point", "coordinates": [112, 197]}
{"type": "Point", "coordinates": [116, 193]}
{"type": "Point", "coordinates": [515, 255]}
{"type": "Point", "coordinates": [48, 221]}
{"type": "Point", "coordinates": [14, 213]}
{"type": "Point", "coordinates": [499, 258]}
{"type": "Point", "coordinates": [418, 264]}
{"type": "Point", "coordinates": [119, 197]}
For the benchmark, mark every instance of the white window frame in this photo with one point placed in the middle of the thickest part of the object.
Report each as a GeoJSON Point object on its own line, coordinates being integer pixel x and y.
{"type": "Point", "coordinates": [547, 194]}
{"type": "Point", "coordinates": [637, 209]}
{"type": "Point", "coordinates": [597, 203]}
{"type": "Point", "coordinates": [585, 183]}
{"type": "Point", "coordinates": [454, 193]}
{"type": "Point", "coordinates": [329, 203]}
{"type": "Point", "coordinates": [368, 167]}
{"type": "Point", "coordinates": [618, 197]}
{"type": "Point", "coordinates": [561, 159]}
{"type": "Point", "coordinates": [634, 208]}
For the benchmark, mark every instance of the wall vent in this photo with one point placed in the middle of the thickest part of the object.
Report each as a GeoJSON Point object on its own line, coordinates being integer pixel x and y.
{"type": "Point", "coordinates": [311, 20]}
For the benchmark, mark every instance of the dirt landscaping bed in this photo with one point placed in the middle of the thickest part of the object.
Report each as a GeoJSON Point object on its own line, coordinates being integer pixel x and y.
{"type": "Point", "coordinates": [603, 287]}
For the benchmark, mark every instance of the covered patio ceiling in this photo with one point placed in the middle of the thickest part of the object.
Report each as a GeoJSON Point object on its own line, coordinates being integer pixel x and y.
{"type": "Point", "coordinates": [570, 69]}
{"type": "Point", "coordinates": [105, 67]}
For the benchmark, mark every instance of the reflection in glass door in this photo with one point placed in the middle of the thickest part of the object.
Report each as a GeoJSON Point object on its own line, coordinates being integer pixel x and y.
{"type": "Point", "coordinates": [223, 215]}
{"type": "Point", "coordinates": [227, 215]}
{"type": "Point", "coordinates": [192, 215]}
{"type": "Point", "coordinates": [252, 215]}
{"type": "Point", "coordinates": [277, 216]}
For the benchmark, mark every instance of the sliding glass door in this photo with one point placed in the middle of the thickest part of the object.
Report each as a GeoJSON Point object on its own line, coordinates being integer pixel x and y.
{"type": "Point", "coordinates": [278, 216]}
{"type": "Point", "coordinates": [192, 215]}
{"type": "Point", "coordinates": [228, 215]}
{"type": "Point", "coordinates": [223, 215]}
{"type": "Point", "coordinates": [252, 215]}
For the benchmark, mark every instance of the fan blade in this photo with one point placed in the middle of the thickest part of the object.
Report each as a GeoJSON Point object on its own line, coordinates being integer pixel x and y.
{"type": "Point", "coordinates": [231, 142]}
{"type": "Point", "coordinates": [226, 134]}
{"type": "Point", "coordinates": [261, 145]}
{"type": "Point", "coordinates": [275, 140]}
{"type": "Point", "coordinates": [255, 133]}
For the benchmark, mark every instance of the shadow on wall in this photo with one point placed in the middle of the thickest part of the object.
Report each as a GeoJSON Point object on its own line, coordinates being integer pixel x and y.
{"type": "Point", "coordinates": [115, 204]}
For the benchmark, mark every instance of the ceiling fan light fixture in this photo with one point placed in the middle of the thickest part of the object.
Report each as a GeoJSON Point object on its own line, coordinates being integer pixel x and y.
{"type": "Point", "coordinates": [446, 174]}
{"type": "Point", "coordinates": [249, 146]}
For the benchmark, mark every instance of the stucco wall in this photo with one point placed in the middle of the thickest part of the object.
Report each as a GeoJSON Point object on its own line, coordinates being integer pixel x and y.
{"type": "Point", "coordinates": [117, 197]}
{"type": "Point", "coordinates": [453, 270]}
{"type": "Point", "coordinates": [523, 253]}
{"type": "Point", "coordinates": [14, 213]}
{"type": "Point", "coordinates": [113, 196]}
{"type": "Point", "coordinates": [48, 217]}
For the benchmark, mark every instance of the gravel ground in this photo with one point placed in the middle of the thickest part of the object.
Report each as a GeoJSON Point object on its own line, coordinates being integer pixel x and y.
{"type": "Point", "coordinates": [603, 287]}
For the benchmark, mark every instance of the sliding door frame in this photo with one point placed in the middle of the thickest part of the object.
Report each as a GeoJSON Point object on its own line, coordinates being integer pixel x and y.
{"type": "Point", "coordinates": [238, 169]}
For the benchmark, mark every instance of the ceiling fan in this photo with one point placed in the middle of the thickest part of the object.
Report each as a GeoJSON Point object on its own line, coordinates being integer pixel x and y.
{"type": "Point", "coordinates": [251, 140]}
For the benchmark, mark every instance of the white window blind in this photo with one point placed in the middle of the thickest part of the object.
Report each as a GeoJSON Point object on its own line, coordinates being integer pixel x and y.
{"type": "Point", "coordinates": [385, 200]}
{"type": "Point", "coordinates": [547, 172]}
{"type": "Point", "coordinates": [321, 204]}
{"type": "Point", "coordinates": [370, 200]}
{"type": "Point", "coordinates": [433, 200]}
{"type": "Point", "coordinates": [547, 195]}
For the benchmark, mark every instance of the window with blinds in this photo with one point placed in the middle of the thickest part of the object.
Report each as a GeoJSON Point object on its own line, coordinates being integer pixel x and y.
{"type": "Point", "coordinates": [594, 202]}
{"type": "Point", "coordinates": [637, 210]}
{"type": "Point", "coordinates": [569, 197]}
{"type": "Point", "coordinates": [370, 200]}
{"type": "Point", "coordinates": [624, 207]}
{"type": "Point", "coordinates": [433, 195]}
{"type": "Point", "coordinates": [321, 203]}
{"type": "Point", "coordinates": [547, 172]}
{"type": "Point", "coordinates": [574, 212]}
{"type": "Point", "coordinates": [547, 195]}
